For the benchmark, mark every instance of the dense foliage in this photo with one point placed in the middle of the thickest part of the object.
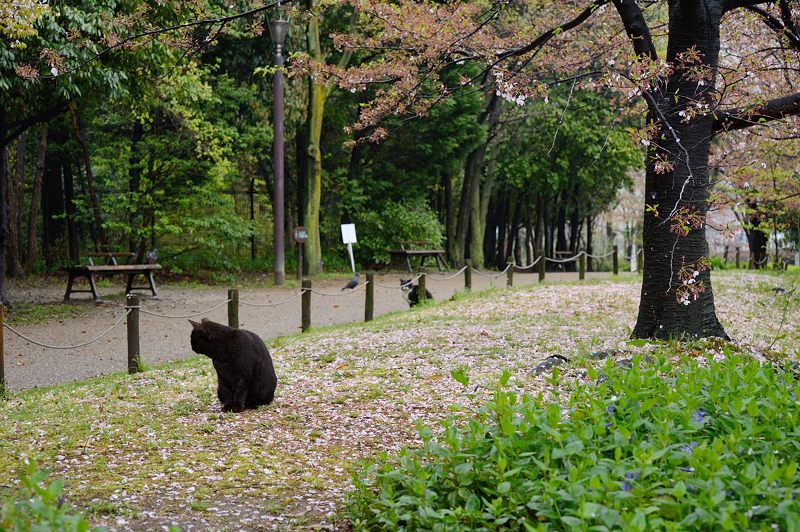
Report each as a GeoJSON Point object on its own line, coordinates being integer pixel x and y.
{"type": "Point", "coordinates": [38, 505]}
{"type": "Point", "coordinates": [697, 445]}
{"type": "Point", "coordinates": [165, 142]}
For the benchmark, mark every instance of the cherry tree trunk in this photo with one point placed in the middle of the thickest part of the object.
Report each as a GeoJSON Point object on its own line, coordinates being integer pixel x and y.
{"type": "Point", "coordinates": [36, 198]}
{"type": "Point", "coordinates": [757, 242]}
{"type": "Point", "coordinates": [668, 256]}
{"type": "Point", "coordinates": [3, 209]}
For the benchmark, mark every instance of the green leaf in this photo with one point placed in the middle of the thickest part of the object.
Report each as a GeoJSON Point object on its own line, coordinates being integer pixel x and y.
{"type": "Point", "coordinates": [461, 375]}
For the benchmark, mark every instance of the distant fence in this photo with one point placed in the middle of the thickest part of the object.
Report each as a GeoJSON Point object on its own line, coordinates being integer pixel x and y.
{"type": "Point", "coordinates": [133, 308]}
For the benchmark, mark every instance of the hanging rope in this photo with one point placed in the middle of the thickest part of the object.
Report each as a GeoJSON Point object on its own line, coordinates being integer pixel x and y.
{"type": "Point", "coordinates": [562, 261]}
{"type": "Point", "coordinates": [415, 278]}
{"type": "Point", "coordinates": [459, 272]}
{"type": "Point", "coordinates": [495, 276]}
{"type": "Point", "coordinates": [600, 256]}
{"type": "Point", "coordinates": [529, 266]}
{"type": "Point", "coordinates": [93, 340]}
{"type": "Point", "coordinates": [335, 294]}
{"type": "Point", "coordinates": [275, 304]}
{"type": "Point", "coordinates": [150, 313]}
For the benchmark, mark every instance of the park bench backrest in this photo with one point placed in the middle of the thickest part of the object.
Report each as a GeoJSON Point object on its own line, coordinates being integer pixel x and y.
{"type": "Point", "coordinates": [110, 256]}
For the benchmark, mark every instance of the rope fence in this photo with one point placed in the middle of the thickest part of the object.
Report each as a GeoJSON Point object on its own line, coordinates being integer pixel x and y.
{"type": "Point", "coordinates": [51, 346]}
{"type": "Point", "coordinates": [274, 304]}
{"type": "Point", "coordinates": [184, 316]}
{"type": "Point", "coordinates": [529, 266]}
{"type": "Point", "coordinates": [133, 307]}
{"type": "Point", "coordinates": [459, 272]}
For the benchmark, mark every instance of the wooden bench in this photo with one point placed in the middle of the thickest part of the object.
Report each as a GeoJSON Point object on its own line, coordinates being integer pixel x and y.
{"type": "Point", "coordinates": [111, 256]}
{"type": "Point", "coordinates": [421, 249]}
{"type": "Point", "coordinates": [131, 270]}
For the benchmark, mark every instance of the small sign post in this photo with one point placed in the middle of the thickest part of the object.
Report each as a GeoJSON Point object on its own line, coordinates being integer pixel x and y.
{"type": "Point", "coordinates": [349, 238]}
{"type": "Point", "coordinates": [300, 235]}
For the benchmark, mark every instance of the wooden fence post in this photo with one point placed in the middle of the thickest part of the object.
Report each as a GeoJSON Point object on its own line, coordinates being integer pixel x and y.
{"type": "Point", "coordinates": [468, 275]}
{"type": "Point", "coordinates": [233, 308]}
{"type": "Point", "coordinates": [582, 267]}
{"type": "Point", "coordinates": [421, 291]}
{"type": "Point", "coordinates": [369, 304]}
{"type": "Point", "coordinates": [615, 259]}
{"type": "Point", "coordinates": [2, 352]}
{"type": "Point", "coordinates": [305, 319]}
{"type": "Point", "coordinates": [738, 256]}
{"type": "Point", "coordinates": [134, 355]}
{"type": "Point", "coordinates": [542, 265]}
{"type": "Point", "coordinates": [725, 256]}
{"type": "Point", "coordinates": [509, 272]}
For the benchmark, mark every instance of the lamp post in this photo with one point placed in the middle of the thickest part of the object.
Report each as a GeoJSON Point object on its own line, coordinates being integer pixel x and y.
{"type": "Point", "coordinates": [278, 28]}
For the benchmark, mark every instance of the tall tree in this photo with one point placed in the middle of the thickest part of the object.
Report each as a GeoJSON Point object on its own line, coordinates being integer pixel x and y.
{"type": "Point", "coordinates": [688, 103]}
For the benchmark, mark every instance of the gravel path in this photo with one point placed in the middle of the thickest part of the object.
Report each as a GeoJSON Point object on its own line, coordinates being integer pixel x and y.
{"type": "Point", "coordinates": [166, 339]}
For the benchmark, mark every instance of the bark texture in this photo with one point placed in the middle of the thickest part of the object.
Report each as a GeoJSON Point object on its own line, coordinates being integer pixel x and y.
{"type": "Point", "coordinates": [692, 26]}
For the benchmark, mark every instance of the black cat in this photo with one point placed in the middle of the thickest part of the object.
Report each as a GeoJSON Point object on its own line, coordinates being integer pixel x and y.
{"type": "Point", "coordinates": [245, 376]}
{"type": "Point", "coordinates": [411, 292]}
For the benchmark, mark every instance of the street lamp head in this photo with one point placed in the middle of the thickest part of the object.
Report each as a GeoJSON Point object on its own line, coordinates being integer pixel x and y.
{"type": "Point", "coordinates": [278, 29]}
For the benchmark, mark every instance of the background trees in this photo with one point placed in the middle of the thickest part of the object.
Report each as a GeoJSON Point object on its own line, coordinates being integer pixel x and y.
{"type": "Point", "coordinates": [490, 128]}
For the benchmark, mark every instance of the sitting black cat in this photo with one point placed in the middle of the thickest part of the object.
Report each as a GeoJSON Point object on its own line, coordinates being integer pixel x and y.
{"type": "Point", "coordinates": [245, 376]}
{"type": "Point", "coordinates": [411, 292]}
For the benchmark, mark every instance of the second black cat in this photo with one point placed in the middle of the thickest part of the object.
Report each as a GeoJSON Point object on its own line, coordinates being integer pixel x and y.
{"type": "Point", "coordinates": [411, 292]}
{"type": "Point", "coordinates": [245, 375]}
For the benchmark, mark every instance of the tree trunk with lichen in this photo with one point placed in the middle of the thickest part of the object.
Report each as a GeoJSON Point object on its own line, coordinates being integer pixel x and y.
{"type": "Point", "coordinates": [677, 300]}
{"type": "Point", "coordinates": [313, 189]}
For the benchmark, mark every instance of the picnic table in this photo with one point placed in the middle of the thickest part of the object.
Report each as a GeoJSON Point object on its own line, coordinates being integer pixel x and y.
{"type": "Point", "coordinates": [419, 248]}
{"type": "Point", "coordinates": [112, 267]}
{"type": "Point", "coordinates": [111, 256]}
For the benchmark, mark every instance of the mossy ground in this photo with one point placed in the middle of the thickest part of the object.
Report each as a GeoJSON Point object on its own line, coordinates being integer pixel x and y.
{"type": "Point", "coordinates": [153, 449]}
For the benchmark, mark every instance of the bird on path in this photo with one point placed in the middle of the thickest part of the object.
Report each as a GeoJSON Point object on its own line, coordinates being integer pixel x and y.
{"type": "Point", "coordinates": [353, 282]}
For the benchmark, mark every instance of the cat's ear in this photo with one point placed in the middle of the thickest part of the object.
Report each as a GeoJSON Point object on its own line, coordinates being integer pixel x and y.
{"type": "Point", "coordinates": [195, 324]}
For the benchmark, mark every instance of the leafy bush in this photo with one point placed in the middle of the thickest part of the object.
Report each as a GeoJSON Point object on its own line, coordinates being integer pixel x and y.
{"type": "Point", "coordinates": [380, 231]}
{"type": "Point", "coordinates": [717, 263]}
{"type": "Point", "coordinates": [38, 506]}
{"type": "Point", "coordinates": [707, 445]}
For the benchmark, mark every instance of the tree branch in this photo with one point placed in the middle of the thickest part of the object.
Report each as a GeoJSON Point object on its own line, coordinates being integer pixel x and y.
{"type": "Point", "coordinates": [542, 39]}
{"type": "Point", "coordinates": [776, 109]}
{"type": "Point", "coordinates": [15, 128]}
{"type": "Point", "coordinates": [779, 26]}
{"type": "Point", "coordinates": [735, 4]}
{"type": "Point", "coordinates": [158, 31]}
{"type": "Point", "coordinates": [636, 28]}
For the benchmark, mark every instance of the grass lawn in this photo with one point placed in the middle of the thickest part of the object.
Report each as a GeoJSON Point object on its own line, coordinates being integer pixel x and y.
{"type": "Point", "coordinates": [153, 449]}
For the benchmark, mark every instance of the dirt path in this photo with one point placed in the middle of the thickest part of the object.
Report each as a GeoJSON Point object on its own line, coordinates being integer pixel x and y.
{"type": "Point", "coordinates": [165, 339]}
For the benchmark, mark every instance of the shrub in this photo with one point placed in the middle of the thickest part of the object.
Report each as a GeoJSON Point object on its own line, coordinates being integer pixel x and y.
{"type": "Point", "coordinates": [717, 263]}
{"type": "Point", "coordinates": [380, 231]}
{"type": "Point", "coordinates": [706, 445]}
{"type": "Point", "coordinates": [38, 506]}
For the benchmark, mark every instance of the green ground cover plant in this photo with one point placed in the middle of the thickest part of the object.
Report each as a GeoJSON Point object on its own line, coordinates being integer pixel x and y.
{"type": "Point", "coordinates": [38, 505]}
{"type": "Point", "coordinates": [698, 445]}
{"type": "Point", "coordinates": [150, 450]}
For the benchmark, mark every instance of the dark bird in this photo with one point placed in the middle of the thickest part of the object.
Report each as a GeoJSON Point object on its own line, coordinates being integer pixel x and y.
{"type": "Point", "coordinates": [353, 282]}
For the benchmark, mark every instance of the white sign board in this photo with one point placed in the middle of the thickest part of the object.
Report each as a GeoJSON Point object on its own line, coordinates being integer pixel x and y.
{"type": "Point", "coordinates": [349, 233]}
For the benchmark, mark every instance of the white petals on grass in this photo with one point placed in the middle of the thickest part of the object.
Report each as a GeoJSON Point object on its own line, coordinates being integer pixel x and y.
{"type": "Point", "coordinates": [153, 450]}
